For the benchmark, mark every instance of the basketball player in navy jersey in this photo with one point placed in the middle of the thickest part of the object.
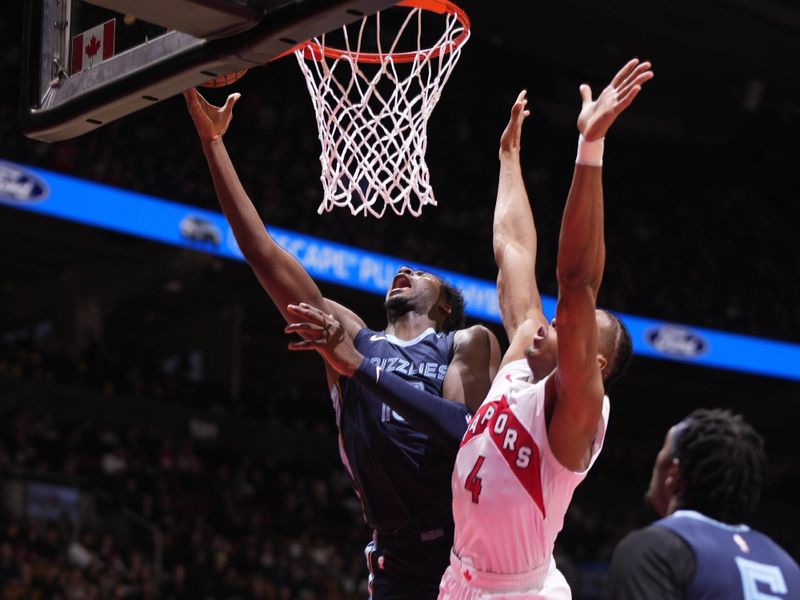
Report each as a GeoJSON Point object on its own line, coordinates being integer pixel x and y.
{"type": "Point", "coordinates": [401, 475]}
{"type": "Point", "coordinates": [707, 480]}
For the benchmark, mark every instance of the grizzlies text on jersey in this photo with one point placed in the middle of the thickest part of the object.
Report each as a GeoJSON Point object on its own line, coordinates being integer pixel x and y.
{"type": "Point", "coordinates": [402, 478]}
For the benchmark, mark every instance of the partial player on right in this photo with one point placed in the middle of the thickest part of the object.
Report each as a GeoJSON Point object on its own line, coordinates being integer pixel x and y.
{"type": "Point", "coordinates": [707, 481]}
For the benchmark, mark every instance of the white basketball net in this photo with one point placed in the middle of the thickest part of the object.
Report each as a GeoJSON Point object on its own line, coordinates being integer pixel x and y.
{"type": "Point", "coordinates": [372, 118]}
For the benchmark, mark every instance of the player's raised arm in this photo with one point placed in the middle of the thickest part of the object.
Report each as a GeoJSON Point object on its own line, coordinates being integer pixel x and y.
{"type": "Point", "coordinates": [280, 274]}
{"type": "Point", "coordinates": [581, 259]}
{"type": "Point", "coordinates": [515, 243]}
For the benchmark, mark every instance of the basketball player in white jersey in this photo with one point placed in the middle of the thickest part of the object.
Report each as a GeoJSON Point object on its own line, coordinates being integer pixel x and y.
{"type": "Point", "coordinates": [542, 425]}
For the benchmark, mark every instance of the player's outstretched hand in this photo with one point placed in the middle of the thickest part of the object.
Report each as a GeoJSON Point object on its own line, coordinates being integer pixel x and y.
{"type": "Point", "coordinates": [325, 334]}
{"type": "Point", "coordinates": [510, 140]}
{"type": "Point", "coordinates": [211, 121]}
{"type": "Point", "coordinates": [597, 115]}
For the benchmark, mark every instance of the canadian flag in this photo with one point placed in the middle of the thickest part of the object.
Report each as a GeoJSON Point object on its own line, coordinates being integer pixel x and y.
{"type": "Point", "coordinates": [92, 47]}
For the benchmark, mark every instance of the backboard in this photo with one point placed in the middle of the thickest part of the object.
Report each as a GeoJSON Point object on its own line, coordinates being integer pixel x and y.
{"type": "Point", "coordinates": [89, 62]}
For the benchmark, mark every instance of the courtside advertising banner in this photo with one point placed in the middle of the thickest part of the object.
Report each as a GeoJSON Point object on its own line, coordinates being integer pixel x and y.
{"type": "Point", "coordinates": [130, 213]}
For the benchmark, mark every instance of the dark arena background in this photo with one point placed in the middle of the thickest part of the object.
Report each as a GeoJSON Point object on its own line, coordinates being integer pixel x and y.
{"type": "Point", "coordinates": [157, 440]}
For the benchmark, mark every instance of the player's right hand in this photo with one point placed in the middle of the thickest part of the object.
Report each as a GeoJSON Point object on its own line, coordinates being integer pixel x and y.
{"type": "Point", "coordinates": [211, 121]}
{"type": "Point", "coordinates": [325, 334]}
{"type": "Point", "coordinates": [596, 116]}
{"type": "Point", "coordinates": [510, 140]}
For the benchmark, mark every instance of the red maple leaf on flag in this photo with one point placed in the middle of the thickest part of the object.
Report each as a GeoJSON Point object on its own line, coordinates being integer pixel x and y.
{"type": "Point", "coordinates": [93, 47]}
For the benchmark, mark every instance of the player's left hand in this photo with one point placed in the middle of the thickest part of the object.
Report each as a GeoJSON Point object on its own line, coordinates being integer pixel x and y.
{"type": "Point", "coordinates": [597, 115]}
{"type": "Point", "coordinates": [211, 121]}
{"type": "Point", "coordinates": [325, 334]}
{"type": "Point", "coordinates": [510, 140]}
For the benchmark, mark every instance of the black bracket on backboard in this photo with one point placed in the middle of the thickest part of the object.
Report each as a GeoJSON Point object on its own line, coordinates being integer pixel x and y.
{"type": "Point", "coordinates": [59, 107]}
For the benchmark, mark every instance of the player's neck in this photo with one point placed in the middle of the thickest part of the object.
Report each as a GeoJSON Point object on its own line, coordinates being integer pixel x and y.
{"type": "Point", "coordinates": [409, 325]}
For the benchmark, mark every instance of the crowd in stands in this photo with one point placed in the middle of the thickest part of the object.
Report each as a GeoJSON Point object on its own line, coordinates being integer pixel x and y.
{"type": "Point", "coordinates": [232, 523]}
{"type": "Point", "coordinates": [228, 525]}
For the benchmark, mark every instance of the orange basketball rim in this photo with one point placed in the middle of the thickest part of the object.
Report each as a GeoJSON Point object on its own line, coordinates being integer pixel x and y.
{"type": "Point", "coordinates": [314, 52]}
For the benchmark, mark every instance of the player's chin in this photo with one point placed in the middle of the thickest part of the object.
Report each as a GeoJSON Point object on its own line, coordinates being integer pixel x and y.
{"type": "Point", "coordinates": [392, 294]}
{"type": "Point", "coordinates": [533, 352]}
{"type": "Point", "coordinates": [540, 360]}
{"type": "Point", "coordinates": [532, 356]}
{"type": "Point", "coordinates": [399, 303]}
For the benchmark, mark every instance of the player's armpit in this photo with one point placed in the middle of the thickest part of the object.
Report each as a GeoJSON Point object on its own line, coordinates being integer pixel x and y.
{"type": "Point", "coordinates": [578, 383]}
{"type": "Point", "coordinates": [476, 359]}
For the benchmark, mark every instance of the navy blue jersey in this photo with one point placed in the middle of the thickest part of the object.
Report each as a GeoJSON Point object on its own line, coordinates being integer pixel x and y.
{"type": "Point", "coordinates": [733, 562]}
{"type": "Point", "coordinates": [402, 478]}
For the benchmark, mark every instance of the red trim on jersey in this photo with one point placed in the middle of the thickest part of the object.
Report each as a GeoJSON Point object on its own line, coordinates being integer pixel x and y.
{"type": "Point", "coordinates": [515, 444]}
{"type": "Point", "coordinates": [481, 419]}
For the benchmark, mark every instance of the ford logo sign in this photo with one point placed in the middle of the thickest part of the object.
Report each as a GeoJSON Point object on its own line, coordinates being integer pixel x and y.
{"type": "Point", "coordinates": [198, 229]}
{"type": "Point", "coordinates": [676, 341]}
{"type": "Point", "coordinates": [19, 186]}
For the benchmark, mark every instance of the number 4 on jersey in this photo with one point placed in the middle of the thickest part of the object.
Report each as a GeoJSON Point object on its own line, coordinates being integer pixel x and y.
{"type": "Point", "coordinates": [473, 482]}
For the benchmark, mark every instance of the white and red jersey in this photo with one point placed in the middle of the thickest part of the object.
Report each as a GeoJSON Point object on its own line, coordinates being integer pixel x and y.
{"type": "Point", "coordinates": [510, 494]}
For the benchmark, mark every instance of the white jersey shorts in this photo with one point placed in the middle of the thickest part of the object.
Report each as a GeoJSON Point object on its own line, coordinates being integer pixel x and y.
{"type": "Point", "coordinates": [461, 581]}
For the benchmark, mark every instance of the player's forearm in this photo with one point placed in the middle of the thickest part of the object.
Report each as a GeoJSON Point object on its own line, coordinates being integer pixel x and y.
{"type": "Point", "coordinates": [442, 420]}
{"type": "Point", "coordinates": [515, 243]}
{"type": "Point", "coordinates": [513, 219]}
{"type": "Point", "coordinates": [235, 203]}
{"type": "Point", "coordinates": [581, 245]}
{"type": "Point", "coordinates": [280, 274]}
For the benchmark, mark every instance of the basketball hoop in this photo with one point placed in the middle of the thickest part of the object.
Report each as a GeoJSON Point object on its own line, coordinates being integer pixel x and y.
{"type": "Point", "coordinates": [373, 105]}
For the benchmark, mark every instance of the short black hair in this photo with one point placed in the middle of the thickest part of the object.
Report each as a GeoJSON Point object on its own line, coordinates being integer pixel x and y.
{"type": "Point", "coordinates": [722, 464]}
{"type": "Point", "coordinates": [455, 320]}
{"type": "Point", "coordinates": [622, 354]}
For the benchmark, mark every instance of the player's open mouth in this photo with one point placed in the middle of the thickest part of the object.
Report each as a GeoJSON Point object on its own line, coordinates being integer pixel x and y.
{"type": "Point", "coordinates": [400, 282]}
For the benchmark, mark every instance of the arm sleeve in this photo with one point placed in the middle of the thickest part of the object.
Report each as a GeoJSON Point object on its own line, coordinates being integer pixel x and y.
{"type": "Point", "coordinates": [651, 563]}
{"type": "Point", "coordinates": [444, 421]}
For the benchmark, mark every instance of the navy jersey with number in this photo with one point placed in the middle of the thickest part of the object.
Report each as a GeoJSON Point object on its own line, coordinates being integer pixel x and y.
{"type": "Point", "coordinates": [733, 562]}
{"type": "Point", "coordinates": [402, 478]}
